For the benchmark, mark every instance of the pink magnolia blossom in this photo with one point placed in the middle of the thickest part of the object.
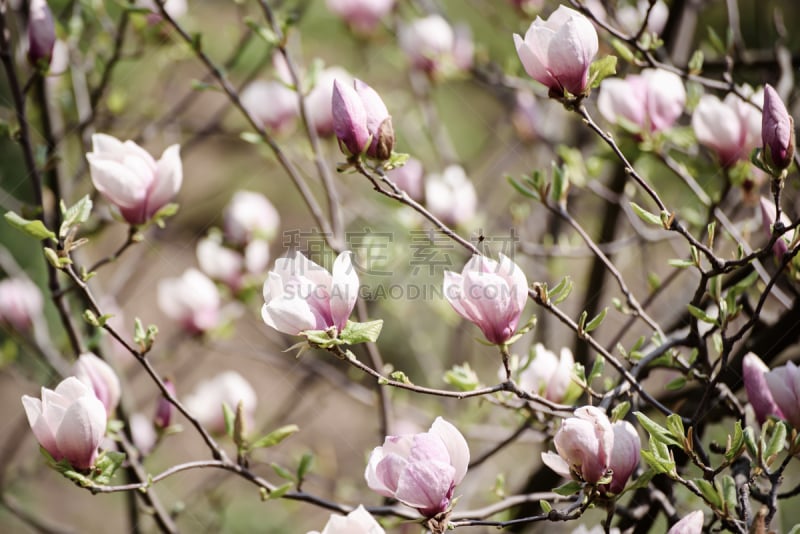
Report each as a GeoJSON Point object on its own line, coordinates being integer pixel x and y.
{"type": "Point", "coordinates": [319, 100]}
{"type": "Point", "coordinates": [362, 15]}
{"type": "Point", "coordinates": [547, 375]}
{"type": "Point", "coordinates": [768, 215]}
{"type": "Point", "coordinates": [729, 127]}
{"type": "Point", "coordinates": [301, 295]}
{"type": "Point", "coordinates": [271, 104]}
{"type": "Point", "coordinates": [450, 196]}
{"type": "Point", "coordinates": [219, 262]}
{"type": "Point", "coordinates": [624, 455]}
{"type": "Point", "coordinates": [777, 130]}
{"type": "Point", "coordinates": [652, 100]}
{"type": "Point", "coordinates": [491, 294]}
{"type": "Point", "coordinates": [585, 444]}
{"type": "Point", "coordinates": [557, 52]}
{"type": "Point", "coordinates": [784, 385]}
{"type": "Point", "coordinates": [409, 178]}
{"type": "Point", "coordinates": [143, 434]}
{"type": "Point", "coordinates": [191, 299]}
{"type": "Point", "coordinates": [631, 16]}
{"type": "Point", "coordinates": [101, 378]}
{"type": "Point", "coordinates": [20, 303]}
{"type": "Point", "coordinates": [433, 45]}
{"type": "Point", "coordinates": [359, 521]}
{"type": "Point", "coordinates": [420, 470]}
{"type": "Point", "coordinates": [130, 179]}
{"type": "Point", "coordinates": [41, 33]}
{"type": "Point", "coordinates": [758, 393]}
{"type": "Point", "coordinates": [690, 524]}
{"type": "Point", "coordinates": [164, 408]}
{"type": "Point", "coordinates": [230, 388]}
{"type": "Point", "coordinates": [250, 215]}
{"type": "Point", "coordinates": [361, 121]}
{"type": "Point", "coordinates": [69, 422]}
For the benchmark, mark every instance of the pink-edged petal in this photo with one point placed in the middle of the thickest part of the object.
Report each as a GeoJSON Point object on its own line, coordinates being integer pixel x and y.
{"type": "Point", "coordinates": [120, 185]}
{"type": "Point", "coordinates": [168, 180]}
{"type": "Point", "coordinates": [556, 463]}
{"type": "Point", "coordinates": [41, 429]}
{"type": "Point", "coordinates": [426, 486]}
{"type": "Point", "coordinates": [456, 445]}
{"type": "Point", "coordinates": [81, 430]}
{"type": "Point", "coordinates": [532, 63]}
{"type": "Point", "coordinates": [290, 316]}
{"type": "Point", "coordinates": [453, 292]}
{"type": "Point", "coordinates": [389, 470]}
{"type": "Point", "coordinates": [344, 291]}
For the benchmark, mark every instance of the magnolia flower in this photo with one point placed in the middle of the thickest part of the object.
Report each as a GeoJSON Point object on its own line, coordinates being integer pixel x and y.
{"type": "Point", "coordinates": [768, 215]}
{"type": "Point", "coordinates": [547, 375]}
{"type": "Point", "coordinates": [450, 196]}
{"type": "Point", "coordinates": [730, 127]}
{"type": "Point", "coordinates": [409, 178]}
{"type": "Point", "coordinates": [41, 33]}
{"type": "Point", "coordinates": [432, 45]}
{"type": "Point", "coordinates": [557, 52]}
{"type": "Point", "coordinates": [100, 377]}
{"type": "Point", "coordinates": [68, 422]}
{"type": "Point", "coordinates": [249, 216]}
{"type": "Point", "coordinates": [584, 444]}
{"type": "Point", "coordinates": [20, 303]}
{"type": "Point", "coordinates": [652, 100]}
{"type": "Point", "coordinates": [191, 299]}
{"type": "Point", "coordinates": [300, 295]}
{"type": "Point", "coordinates": [174, 8]}
{"type": "Point", "coordinates": [631, 16]}
{"type": "Point", "coordinates": [624, 455]}
{"type": "Point", "coordinates": [784, 384]}
{"type": "Point", "coordinates": [318, 101]}
{"type": "Point", "coordinates": [359, 521]}
{"type": "Point", "coordinates": [271, 104]}
{"type": "Point", "coordinates": [777, 131]}
{"type": "Point", "coordinates": [219, 262]}
{"type": "Point", "coordinates": [230, 388]}
{"type": "Point", "coordinates": [361, 121]}
{"type": "Point", "coordinates": [691, 524]}
{"type": "Point", "coordinates": [130, 179]}
{"type": "Point", "coordinates": [164, 408]}
{"type": "Point", "coordinates": [758, 393]}
{"type": "Point", "coordinates": [143, 434]}
{"type": "Point", "coordinates": [420, 470]}
{"type": "Point", "coordinates": [362, 15]}
{"type": "Point", "coordinates": [490, 294]}
{"type": "Point", "coordinates": [525, 116]}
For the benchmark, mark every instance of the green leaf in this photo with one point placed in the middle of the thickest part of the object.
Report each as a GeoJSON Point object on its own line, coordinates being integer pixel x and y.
{"type": "Point", "coordinates": [598, 319]}
{"type": "Point", "coordinates": [646, 216]}
{"type": "Point", "coordinates": [521, 189]}
{"type": "Point", "coordinates": [252, 138]}
{"type": "Point", "coordinates": [776, 441]}
{"type": "Point", "coordinates": [680, 263]}
{"type": "Point", "coordinates": [280, 491]}
{"type": "Point", "coordinates": [624, 51]}
{"type": "Point", "coordinates": [570, 488]}
{"type": "Point", "coordinates": [75, 214]}
{"type": "Point", "coordinates": [106, 465]}
{"type": "Point", "coordinates": [305, 464]}
{"type": "Point", "coordinates": [462, 377]}
{"type": "Point", "coordinates": [737, 442]}
{"type": "Point", "coordinates": [676, 384]}
{"type": "Point", "coordinates": [229, 417]}
{"type": "Point", "coordinates": [395, 161]}
{"type": "Point", "coordinates": [275, 437]}
{"type": "Point", "coordinates": [656, 431]}
{"type": "Point", "coordinates": [282, 472]}
{"type": "Point", "coordinates": [696, 62]}
{"type": "Point", "coordinates": [269, 36]}
{"type": "Point", "coordinates": [728, 494]}
{"type": "Point", "coordinates": [658, 465]}
{"type": "Point", "coordinates": [34, 228]}
{"type": "Point", "coordinates": [560, 185]}
{"type": "Point", "coordinates": [165, 212]}
{"type": "Point", "coordinates": [597, 368]}
{"type": "Point", "coordinates": [675, 426]}
{"type": "Point", "coordinates": [545, 506]}
{"type": "Point", "coordinates": [620, 411]}
{"type": "Point", "coordinates": [700, 315]}
{"type": "Point", "coordinates": [367, 332]}
{"type": "Point", "coordinates": [602, 69]}
{"type": "Point", "coordinates": [709, 491]}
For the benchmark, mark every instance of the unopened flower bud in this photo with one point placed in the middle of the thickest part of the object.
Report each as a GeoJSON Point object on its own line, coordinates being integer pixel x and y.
{"type": "Point", "coordinates": [361, 121]}
{"type": "Point", "coordinates": [20, 303]}
{"type": "Point", "coordinates": [41, 33]}
{"type": "Point", "coordinates": [784, 384]}
{"type": "Point", "coordinates": [758, 393]}
{"type": "Point", "coordinates": [584, 444]}
{"type": "Point", "coordinates": [100, 377]}
{"type": "Point", "coordinates": [163, 416]}
{"type": "Point", "coordinates": [777, 131]}
{"type": "Point", "coordinates": [624, 455]}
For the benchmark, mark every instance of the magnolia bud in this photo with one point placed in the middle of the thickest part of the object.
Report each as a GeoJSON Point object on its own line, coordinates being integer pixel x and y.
{"type": "Point", "coordinates": [758, 393]}
{"type": "Point", "coordinates": [99, 376]}
{"type": "Point", "coordinates": [584, 444]}
{"type": "Point", "coordinates": [20, 303]}
{"type": "Point", "coordinates": [163, 416]}
{"type": "Point", "coordinates": [784, 384]}
{"type": "Point", "coordinates": [777, 131]}
{"type": "Point", "coordinates": [41, 33]}
{"type": "Point", "coordinates": [361, 121]}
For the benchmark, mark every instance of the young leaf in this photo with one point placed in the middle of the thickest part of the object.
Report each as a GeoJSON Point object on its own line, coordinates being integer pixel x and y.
{"type": "Point", "coordinates": [275, 437]}
{"type": "Point", "coordinates": [282, 472]}
{"type": "Point", "coordinates": [305, 464]}
{"type": "Point", "coordinates": [34, 228]}
{"type": "Point", "coordinates": [645, 215]}
{"type": "Point", "coordinates": [598, 319]}
{"type": "Point", "coordinates": [229, 417]}
{"type": "Point", "coordinates": [570, 488]}
{"type": "Point", "coordinates": [602, 69]}
{"type": "Point", "coordinates": [367, 332]}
